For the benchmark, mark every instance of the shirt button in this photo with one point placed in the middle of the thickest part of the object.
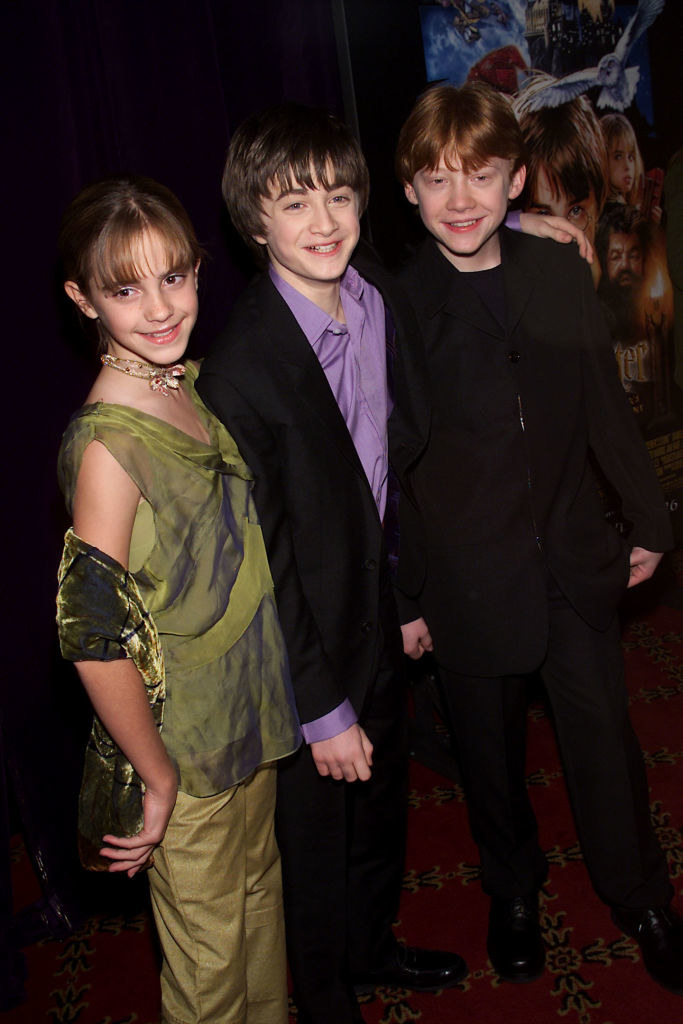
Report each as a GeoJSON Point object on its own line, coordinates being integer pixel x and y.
{"type": "Point", "coordinates": [514, 356]}
{"type": "Point", "coordinates": [370, 563]}
{"type": "Point", "coordinates": [366, 627]}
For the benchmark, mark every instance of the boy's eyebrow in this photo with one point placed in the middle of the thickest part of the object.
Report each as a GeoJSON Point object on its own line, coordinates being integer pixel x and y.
{"type": "Point", "coordinates": [302, 190]}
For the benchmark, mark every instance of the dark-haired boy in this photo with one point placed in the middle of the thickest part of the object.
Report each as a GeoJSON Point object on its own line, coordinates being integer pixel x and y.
{"type": "Point", "coordinates": [301, 378]}
{"type": "Point", "coordinates": [507, 566]}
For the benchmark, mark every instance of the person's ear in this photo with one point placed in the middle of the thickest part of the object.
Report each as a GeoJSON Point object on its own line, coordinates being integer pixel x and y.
{"type": "Point", "coordinates": [82, 301]}
{"type": "Point", "coordinates": [196, 273]}
{"type": "Point", "coordinates": [411, 194]}
{"type": "Point", "coordinates": [517, 182]}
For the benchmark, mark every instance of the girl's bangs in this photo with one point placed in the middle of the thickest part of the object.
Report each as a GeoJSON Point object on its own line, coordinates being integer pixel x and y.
{"type": "Point", "coordinates": [120, 256]}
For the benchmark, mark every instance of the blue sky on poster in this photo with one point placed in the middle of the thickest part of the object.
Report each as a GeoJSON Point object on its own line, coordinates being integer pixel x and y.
{"type": "Point", "coordinates": [449, 56]}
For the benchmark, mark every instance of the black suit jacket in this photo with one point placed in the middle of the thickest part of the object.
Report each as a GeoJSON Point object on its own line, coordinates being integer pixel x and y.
{"type": "Point", "coordinates": [319, 518]}
{"type": "Point", "coordinates": [499, 483]}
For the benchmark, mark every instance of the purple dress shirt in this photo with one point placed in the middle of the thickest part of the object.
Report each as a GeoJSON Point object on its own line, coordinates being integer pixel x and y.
{"type": "Point", "coordinates": [353, 358]}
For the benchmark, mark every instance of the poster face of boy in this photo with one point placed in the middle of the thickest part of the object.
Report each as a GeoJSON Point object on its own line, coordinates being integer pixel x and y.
{"type": "Point", "coordinates": [582, 211]}
{"type": "Point", "coordinates": [463, 210]}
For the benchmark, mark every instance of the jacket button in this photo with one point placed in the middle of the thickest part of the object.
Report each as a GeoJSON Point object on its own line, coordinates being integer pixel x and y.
{"type": "Point", "coordinates": [366, 627]}
{"type": "Point", "coordinates": [370, 563]}
{"type": "Point", "coordinates": [514, 356]}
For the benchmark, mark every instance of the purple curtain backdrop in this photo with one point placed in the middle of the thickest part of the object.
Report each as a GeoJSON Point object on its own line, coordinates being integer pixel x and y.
{"type": "Point", "coordinates": [94, 87]}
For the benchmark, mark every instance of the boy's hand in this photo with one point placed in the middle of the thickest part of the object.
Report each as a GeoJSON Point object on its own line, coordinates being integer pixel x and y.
{"type": "Point", "coordinates": [557, 228]}
{"type": "Point", "coordinates": [643, 564]}
{"type": "Point", "coordinates": [346, 756]}
{"type": "Point", "coordinates": [416, 638]}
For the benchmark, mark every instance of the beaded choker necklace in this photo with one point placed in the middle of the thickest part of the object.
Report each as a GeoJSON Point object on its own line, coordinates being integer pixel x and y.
{"type": "Point", "coordinates": [161, 378]}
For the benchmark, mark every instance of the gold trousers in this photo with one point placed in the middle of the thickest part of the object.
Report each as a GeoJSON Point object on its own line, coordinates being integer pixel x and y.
{"type": "Point", "coordinates": [217, 899]}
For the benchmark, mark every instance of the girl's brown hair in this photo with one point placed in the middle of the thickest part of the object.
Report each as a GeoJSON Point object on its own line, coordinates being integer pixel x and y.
{"type": "Point", "coordinates": [101, 231]}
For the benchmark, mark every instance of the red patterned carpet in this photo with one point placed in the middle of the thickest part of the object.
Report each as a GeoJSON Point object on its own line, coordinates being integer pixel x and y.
{"type": "Point", "coordinates": [106, 973]}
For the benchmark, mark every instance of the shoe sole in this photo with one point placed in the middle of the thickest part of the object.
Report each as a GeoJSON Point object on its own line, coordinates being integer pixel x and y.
{"type": "Point", "coordinates": [520, 979]}
{"type": "Point", "coordinates": [365, 987]}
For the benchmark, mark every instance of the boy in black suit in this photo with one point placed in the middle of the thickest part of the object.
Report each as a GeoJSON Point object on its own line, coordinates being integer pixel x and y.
{"type": "Point", "coordinates": [300, 378]}
{"type": "Point", "coordinates": [507, 566]}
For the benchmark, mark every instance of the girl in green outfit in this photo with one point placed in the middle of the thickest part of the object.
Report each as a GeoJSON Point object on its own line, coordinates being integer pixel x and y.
{"type": "Point", "coordinates": [166, 606]}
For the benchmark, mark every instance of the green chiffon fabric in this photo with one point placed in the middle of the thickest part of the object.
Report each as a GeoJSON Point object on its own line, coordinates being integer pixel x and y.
{"type": "Point", "coordinates": [102, 617]}
{"type": "Point", "coordinates": [199, 564]}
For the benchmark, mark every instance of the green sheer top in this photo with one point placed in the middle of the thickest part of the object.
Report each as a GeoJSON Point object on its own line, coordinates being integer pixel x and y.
{"type": "Point", "coordinates": [198, 559]}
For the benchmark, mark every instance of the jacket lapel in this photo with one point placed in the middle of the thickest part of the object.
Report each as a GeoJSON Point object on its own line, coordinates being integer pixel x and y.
{"type": "Point", "coordinates": [447, 291]}
{"type": "Point", "coordinates": [288, 345]}
{"type": "Point", "coordinates": [520, 275]}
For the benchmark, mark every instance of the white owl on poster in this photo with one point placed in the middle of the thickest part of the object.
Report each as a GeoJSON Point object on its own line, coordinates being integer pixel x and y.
{"type": "Point", "coordinates": [618, 82]}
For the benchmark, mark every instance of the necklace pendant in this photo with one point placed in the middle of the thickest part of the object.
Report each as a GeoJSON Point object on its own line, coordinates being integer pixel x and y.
{"type": "Point", "coordinates": [163, 379]}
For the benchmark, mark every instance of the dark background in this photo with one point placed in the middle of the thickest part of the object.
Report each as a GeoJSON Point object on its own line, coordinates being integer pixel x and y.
{"type": "Point", "coordinates": [92, 87]}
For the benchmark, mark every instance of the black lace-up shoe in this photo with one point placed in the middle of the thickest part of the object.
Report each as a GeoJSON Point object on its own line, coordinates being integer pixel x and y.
{"type": "Point", "coordinates": [423, 970]}
{"type": "Point", "coordinates": [514, 944]}
{"type": "Point", "coordinates": [659, 933]}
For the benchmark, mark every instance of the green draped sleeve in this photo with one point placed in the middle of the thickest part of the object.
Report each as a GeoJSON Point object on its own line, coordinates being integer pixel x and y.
{"type": "Point", "coordinates": [101, 617]}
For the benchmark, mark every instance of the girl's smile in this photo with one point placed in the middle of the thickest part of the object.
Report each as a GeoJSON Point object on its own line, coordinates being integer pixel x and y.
{"type": "Point", "coordinates": [148, 318]}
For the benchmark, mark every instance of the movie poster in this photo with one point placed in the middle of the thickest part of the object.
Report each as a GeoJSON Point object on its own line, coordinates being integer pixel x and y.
{"type": "Point", "coordinates": [578, 75]}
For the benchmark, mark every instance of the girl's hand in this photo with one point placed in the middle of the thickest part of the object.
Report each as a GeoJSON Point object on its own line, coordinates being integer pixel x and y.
{"type": "Point", "coordinates": [134, 854]}
{"type": "Point", "coordinates": [557, 228]}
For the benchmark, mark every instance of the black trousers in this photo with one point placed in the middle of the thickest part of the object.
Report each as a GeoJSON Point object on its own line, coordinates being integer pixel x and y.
{"type": "Point", "coordinates": [343, 848]}
{"type": "Point", "coordinates": [583, 677]}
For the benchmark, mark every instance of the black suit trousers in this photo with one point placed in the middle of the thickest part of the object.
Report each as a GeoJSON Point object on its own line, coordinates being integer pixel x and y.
{"type": "Point", "coordinates": [342, 847]}
{"type": "Point", "coordinates": [583, 677]}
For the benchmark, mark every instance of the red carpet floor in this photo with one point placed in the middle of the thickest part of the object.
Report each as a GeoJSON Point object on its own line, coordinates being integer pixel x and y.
{"type": "Point", "coordinates": [106, 973]}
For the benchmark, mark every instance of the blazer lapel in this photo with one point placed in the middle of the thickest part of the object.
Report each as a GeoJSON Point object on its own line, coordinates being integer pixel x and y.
{"type": "Point", "coordinates": [289, 346]}
{"type": "Point", "coordinates": [445, 290]}
{"type": "Point", "coordinates": [520, 275]}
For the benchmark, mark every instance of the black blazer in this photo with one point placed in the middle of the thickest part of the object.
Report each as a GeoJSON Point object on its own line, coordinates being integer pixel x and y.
{"type": "Point", "coordinates": [320, 522]}
{"type": "Point", "coordinates": [499, 483]}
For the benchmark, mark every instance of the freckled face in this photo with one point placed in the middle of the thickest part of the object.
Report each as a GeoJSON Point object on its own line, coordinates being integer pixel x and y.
{"type": "Point", "coordinates": [463, 211]}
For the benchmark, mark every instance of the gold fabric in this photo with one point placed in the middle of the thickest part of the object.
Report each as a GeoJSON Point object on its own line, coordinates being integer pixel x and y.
{"type": "Point", "coordinates": [102, 617]}
{"type": "Point", "coordinates": [217, 900]}
{"type": "Point", "coordinates": [200, 565]}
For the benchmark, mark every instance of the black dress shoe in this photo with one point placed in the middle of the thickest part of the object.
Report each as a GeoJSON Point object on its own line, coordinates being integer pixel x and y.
{"type": "Point", "coordinates": [423, 970]}
{"type": "Point", "coordinates": [659, 933]}
{"type": "Point", "coordinates": [514, 944]}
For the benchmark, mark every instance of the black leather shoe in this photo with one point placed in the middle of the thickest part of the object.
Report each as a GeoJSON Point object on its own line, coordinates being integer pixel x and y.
{"type": "Point", "coordinates": [423, 970]}
{"type": "Point", "coordinates": [514, 943]}
{"type": "Point", "coordinates": [659, 933]}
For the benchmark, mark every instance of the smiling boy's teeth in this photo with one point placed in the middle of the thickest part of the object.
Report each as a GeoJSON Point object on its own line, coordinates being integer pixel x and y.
{"type": "Point", "coordinates": [324, 248]}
